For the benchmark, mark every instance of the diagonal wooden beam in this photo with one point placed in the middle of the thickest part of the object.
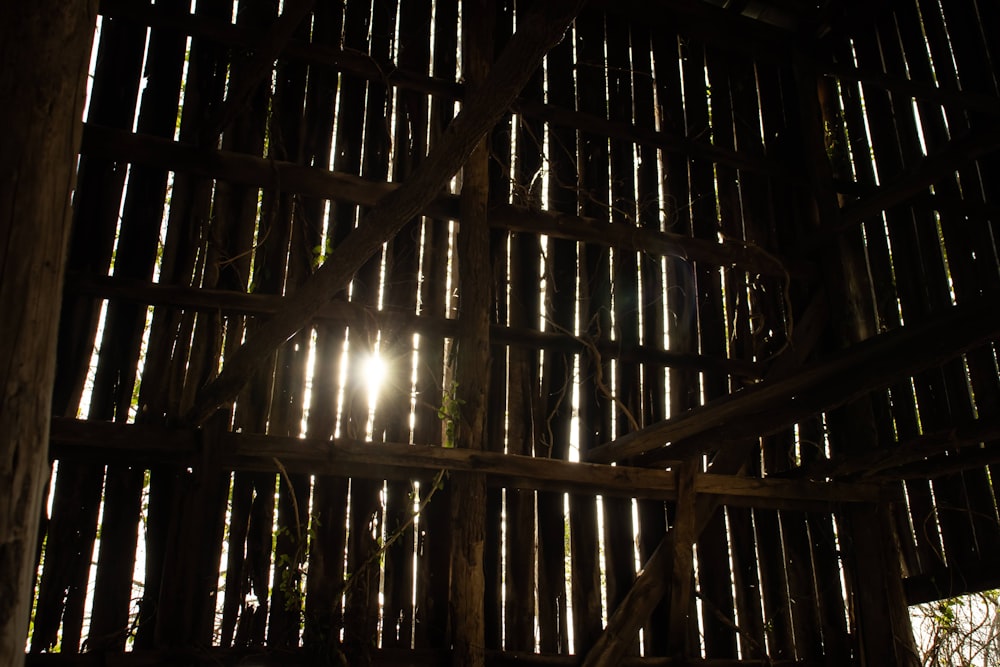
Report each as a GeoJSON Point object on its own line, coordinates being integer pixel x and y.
{"type": "Point", "coordinates": [651, 585]}
{"type": "Point", "coordinates": [773, 405]}
{"type": "Point", "coordinates": [540, 31]}
{"type": "Point", "coordinates": [654, 581]}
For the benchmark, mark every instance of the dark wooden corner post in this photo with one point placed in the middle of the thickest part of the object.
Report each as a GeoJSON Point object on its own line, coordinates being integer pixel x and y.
{"type": "Point", "coordinates": [471, 359]}
{"type": "Point", "coordinates": [871, 560]}
{"type": "Point", "coordinates": [45, 50]}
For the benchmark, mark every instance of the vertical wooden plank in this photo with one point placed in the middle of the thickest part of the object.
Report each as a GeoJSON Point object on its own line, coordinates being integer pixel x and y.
{"type": "Point", "coordinates": [504, 419]}
{"type": "Point", "coordinates": [367, 30]}
{"type": "Point", "coordinates": [186, 610]}
{"type": "Point", "coordinates": [325, 578]}
{"type": "Point", "coordinates": [595, 302]}
{"type": "Point", "coordinates": [237, 589]}
{"type": "Point", "coordinates": [895, 145]}
{"type": "Point", "coordinates": [100, 184]}
{"type": "Point", "coordinates": [71, 528]}
{"type": "Point", "coordinates": [925, 539]}
{"type": "Point", "coordinates": [967, 243]}
{"type": "Point", "coordinates": [397, 349]}
{"type": "Point", "coordinates": [287, 124]}
{"type": "Point", "coordinates": [758, 120]}
{"type": "Point", "coordinates": [705, 333]}
{"type": "Point", "coordinates": [619, 531]}
{"type": "Point", "coordinates": [190, 206]}
{"type": "Point", "coordinates": [780, 128]}
{"type": "Point", "coordinates": [652, 514]}
{"type": "Point", "coordinates": [728, 336]}
{"type": "Point", "coordinates": [524, 296]}
{"type": "Point", "coordinates": [829, 594]}
{"type": "Point", "coordinates": [115, 379]}
{"type": "Point", "coordinates": [747, 582]}
{"type": "Point", "coordinates": [679, 289]}
{"type": "Point", "coordinates": [555, 423]}
{"type": "Point", "coordinates": [228, 235]}
{"type": "Point", "coordinates": [434, 539]}
{"type": "Point", "coordinates": [802, 596]}
{"type": "Point", "coordinates": [109, 624]}
{"type": "Point", "coordinates": [871, 565]}
{"type": "Point", "coordinates": [773, 580]}
{"type": "Point", "coordinates": [682, 572]}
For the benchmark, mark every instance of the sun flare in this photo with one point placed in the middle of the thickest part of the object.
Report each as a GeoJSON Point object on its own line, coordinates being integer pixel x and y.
{"type": "Point", "coordinates": [374, 369]}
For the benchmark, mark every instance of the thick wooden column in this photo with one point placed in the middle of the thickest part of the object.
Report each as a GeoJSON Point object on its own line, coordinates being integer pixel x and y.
{"type": "Point", "coordinates": [472, 362]}
{"type": "Point", "coordinates": [45, 50]}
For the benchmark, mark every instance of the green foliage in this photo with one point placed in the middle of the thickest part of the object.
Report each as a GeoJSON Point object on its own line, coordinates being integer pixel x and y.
{"type": "Point", "coordinates": [836, 141]}
{"type": "Point", "coordinates": [321, 252]}
{"type": "Point", "coordinates": [959, 631]}
{"type": "Point", "coordinates": [449, 413]}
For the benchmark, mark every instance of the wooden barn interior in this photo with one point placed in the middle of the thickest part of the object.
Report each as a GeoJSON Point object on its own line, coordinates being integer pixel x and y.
{"type": "Point", "coordinates": [496, 332]}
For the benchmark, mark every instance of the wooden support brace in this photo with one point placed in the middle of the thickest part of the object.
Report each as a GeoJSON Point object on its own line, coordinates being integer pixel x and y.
{"type": "Point", "coordinates": [652, 584]}
{"type": "Point", "coordinates": [516, 64]}
{"type": "Point", "coordinates": [772, 405]}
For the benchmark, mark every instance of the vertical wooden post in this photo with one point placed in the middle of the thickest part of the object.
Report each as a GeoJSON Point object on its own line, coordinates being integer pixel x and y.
{"type": "Point", "coordinates": [45, 49]}
{"type": "Point", "coordinates": [468, 509]}
{"type": "Point", "coordinates": [686, 531]}
{"type": "Point", "coordinates": [870, 558]}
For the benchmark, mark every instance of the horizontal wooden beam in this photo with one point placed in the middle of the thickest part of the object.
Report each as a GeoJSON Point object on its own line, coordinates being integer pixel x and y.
{"type": "Point", "coordinates": [718, 27]}
{"type": "Point", "coordinates": [773, 405]}
{"type": "Point", "coordinates": [914, 89]}
{"type": "Point", "coordinates": [242, 169]}
{"type": "Point", "coordinates": [370, 321]}
{"type": "Point", "coordinates": [728, 253]}
{"type": "Point", "coordinates": [962, 443]}
{"type": "Point", "coordinates": [923, 174]}
{"type": "Point", "coordinates": [387, 73]}
{"type": "Point", "coordinates": [138, 444]}
{"type": "Point", "coordinates": [382, 657]}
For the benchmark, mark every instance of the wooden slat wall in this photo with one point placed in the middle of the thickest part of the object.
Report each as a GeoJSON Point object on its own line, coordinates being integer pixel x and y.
{"type": "Point", "coordinates": [245, 558]}
{"type": "Point", "coordinates": [927, 254]}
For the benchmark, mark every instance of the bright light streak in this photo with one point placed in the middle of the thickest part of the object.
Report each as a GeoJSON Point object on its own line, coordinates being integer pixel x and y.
{"type": "Point", "coordinates": [375, 371]}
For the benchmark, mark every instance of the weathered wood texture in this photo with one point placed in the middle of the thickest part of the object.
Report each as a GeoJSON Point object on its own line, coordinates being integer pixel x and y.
{"type": "Point", "coordinates": [45, 48]}
{"type": "Point", "coordinates": [663, 230]}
